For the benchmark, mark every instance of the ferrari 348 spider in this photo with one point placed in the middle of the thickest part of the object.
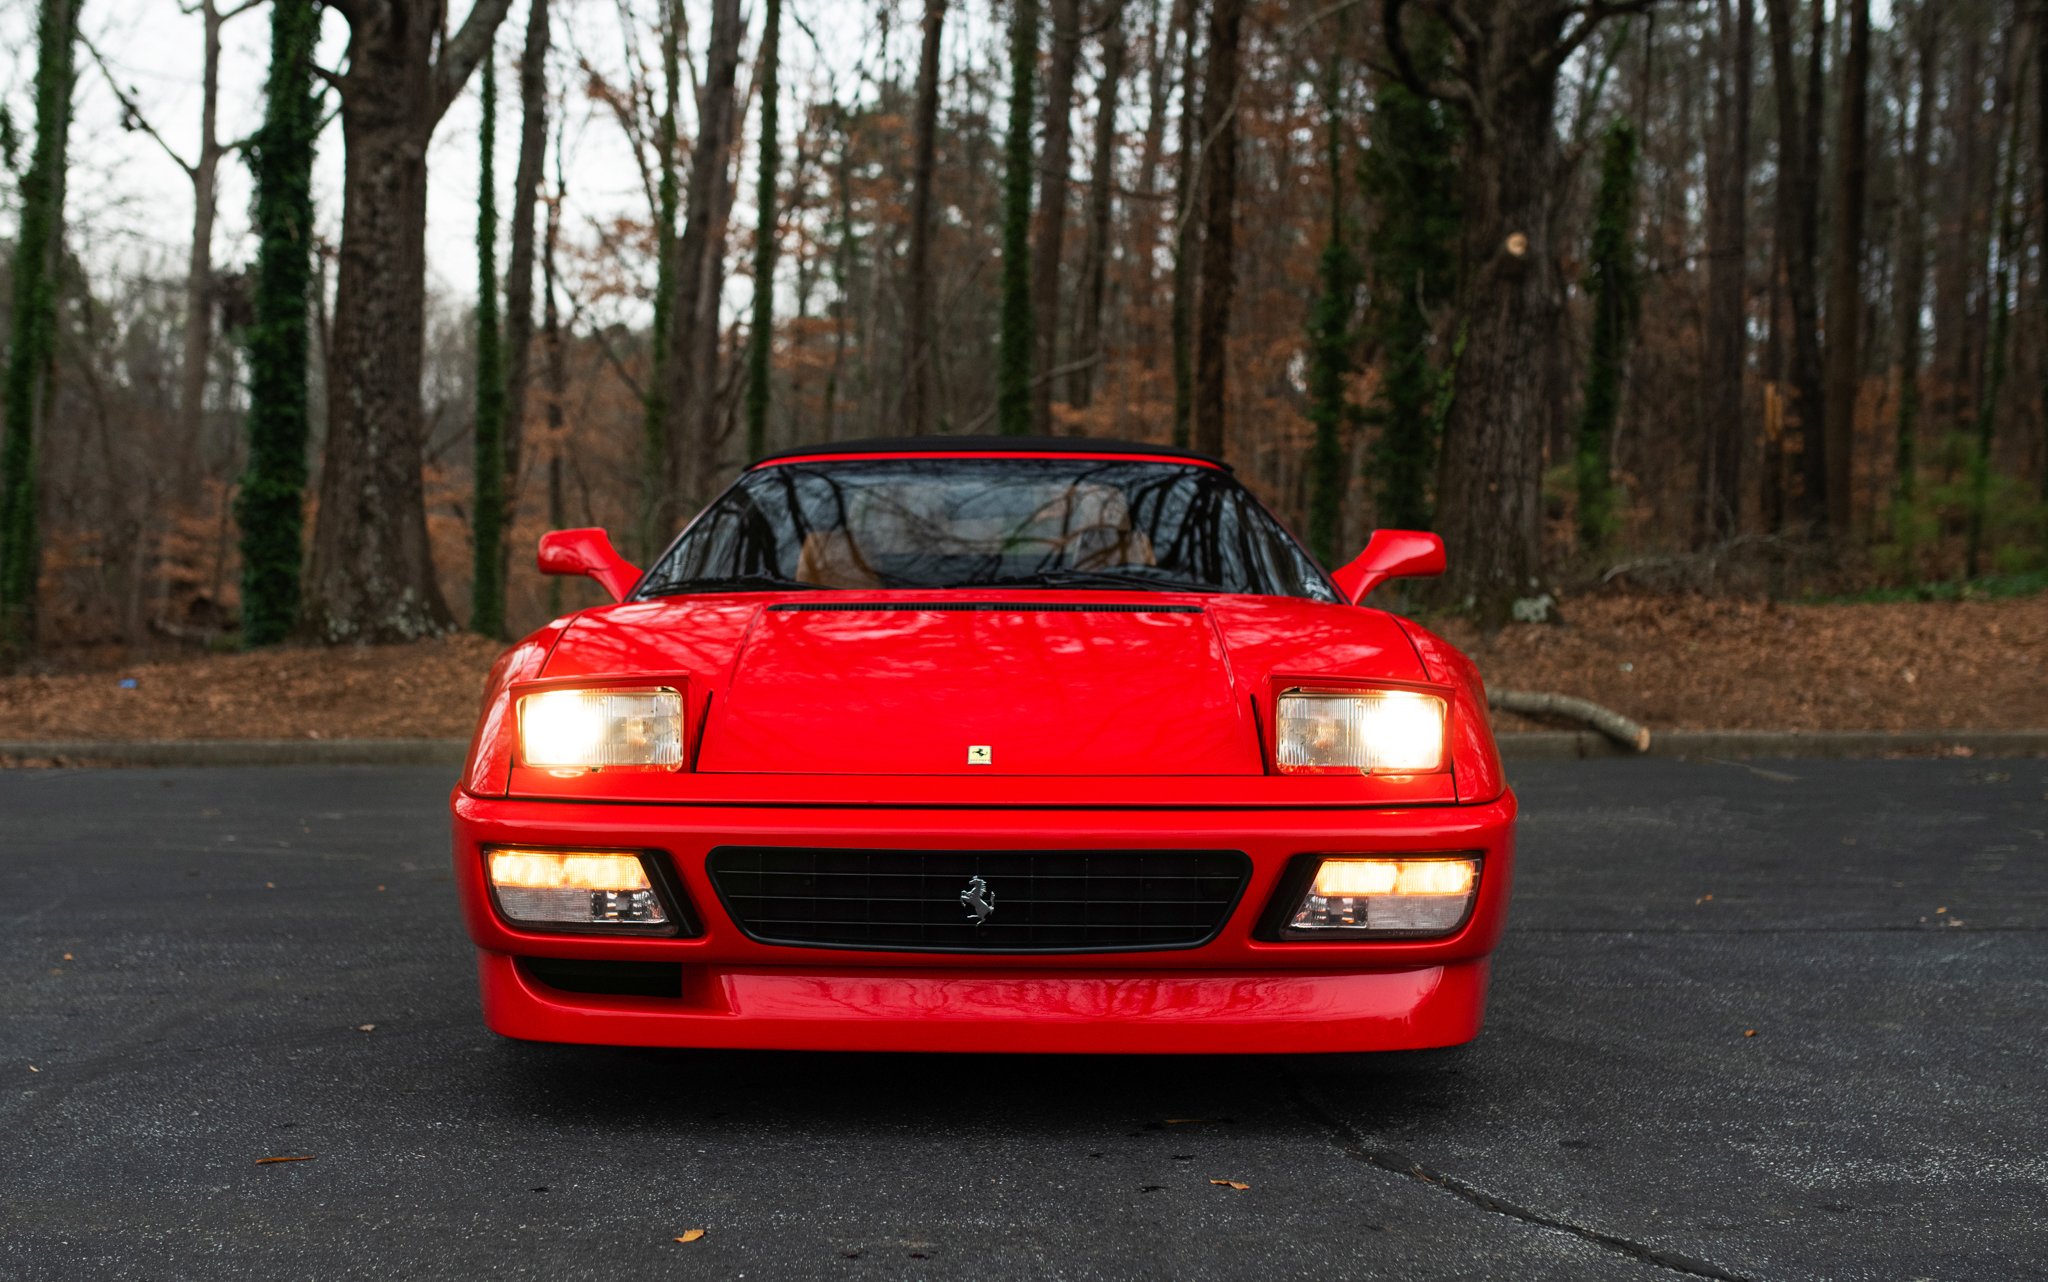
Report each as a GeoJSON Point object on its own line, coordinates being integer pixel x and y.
{"type": "Point", "coordinates": [985, 745]}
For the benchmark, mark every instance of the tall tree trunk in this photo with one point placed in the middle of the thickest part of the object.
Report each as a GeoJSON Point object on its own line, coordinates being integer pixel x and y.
{"type": "Point", "coordinates": [205, 173]}
{"type": "Point", "coordinates": [372, 576]}
{"type": "Point", "coordinates": [917, 355]}
{"type": "Point", "coordinates": [1616, 291]}
{"type": "Point", "coordinates": [1101, 189]}
{"type": "Point", "coordinates": [32, 347]}
{"type": "Point", "coordinates": [487, 511]}
{"type": "Point", "coordinates": [1910, 286]}
{"type": "Point", "coordinates": [761, 335]}
{"type": "Point", "coordinates": [1154, 212]}
{"type": "Point", "coordinates": [1798, 233]}
{"type": "Point", "coordinates": [1049, 242]}
{"type": "Point", "coordinates": [1219, 226]}
{"type": "Point", "coordinates": [2041, 169]}
{"type": "Point", "coordinates": [526, 184]}
{"type": "Point", "coordinates": [1018, 347]}
{"type": "Point", "coordinates": [1845, 274]}
{"type": "Point", "coordinates": [1331, 338]}
{"type": "Point", "coordinates": [692, 365]}
{"type": "Point", "coordinates": [270, 504]}
{"type": "Point", "coordinates": [1187, 241]}
{"type": "Point", "coordinates": [659, 450]}
{"type": "Point", "coordinates": [1727, 327]}
{"type": "Point", "coordinates": [554, 369]}
{"type": "Point", "coordinates": [1995, 354]}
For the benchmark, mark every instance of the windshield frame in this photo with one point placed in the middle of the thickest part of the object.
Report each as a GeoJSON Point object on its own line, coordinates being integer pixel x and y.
{"type": "Point", "coordinates": [648, 588]}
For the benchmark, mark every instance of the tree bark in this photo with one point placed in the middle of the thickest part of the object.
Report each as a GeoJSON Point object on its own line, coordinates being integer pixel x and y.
{"type": "Point", "coordinates": [1101, 190]}
{"type": "Point", "coordinates": [917, 357]}
{"type": "Point", "coordinates": [533, 141]}
{"type": "Point", "coordinates": [692, 364]}
{"type": "Point", "coordinates": [372, 576]}
{"type": "Point", "coordinates": [1154, 212]}
{"type": "Point", "coordinates": [1219, 227]}
{"type": "Point", "coordinates": [1910, 286]}
{"type": "Point", "coordinates": [1049, 241]}
{"type": "Point", "coordinates": [761, 333]}
{"type": "Point", "coordinates": [1720, 482]}
{"type": "Point", "coordinates": [1798, 233]}
{"type": "Point", "coordinates": [1845, 275]}
{"type": "Point", "coordinates": [205, 172]}
{"type": "Point", "coordinates": [1186, 242]}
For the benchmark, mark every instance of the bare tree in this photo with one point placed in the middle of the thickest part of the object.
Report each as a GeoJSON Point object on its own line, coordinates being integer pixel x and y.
{"type": "Point", "coordinates": [1845, 274]}
{"type": "Point", "coordinates": [1720, 477]}
{"type": "Point", "coordinates": [533, 142]}
{"type": "Point", "coordinates": [372, 576]}
{"type": "Point", "coordinates": [1218, 279]}
{"type": "Point", "coordinates": [1101, 189]}
{"type": "Point", "coordinates": [1049, 242]}
{"type": "Point", "coordinates": [917, 358]}
{"type": "Point", "coordinates": [1798, 236]}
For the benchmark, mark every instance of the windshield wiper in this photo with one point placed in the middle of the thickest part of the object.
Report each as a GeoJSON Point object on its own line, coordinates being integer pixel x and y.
{"type": "Point", "coordinates": [759, 581]}
{"type": "Point", "coordinates": [1071, 578]}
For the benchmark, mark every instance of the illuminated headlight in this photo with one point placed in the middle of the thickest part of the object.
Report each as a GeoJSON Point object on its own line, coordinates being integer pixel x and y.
{"type": "Point", "coordinates": [1368, 731]}
{"type": "Point", "coordinates": [589, 729]}
{"type": "Point", "coordinates": [1429, 896]}
{"type": "Point", "coordinates": [573, 888]}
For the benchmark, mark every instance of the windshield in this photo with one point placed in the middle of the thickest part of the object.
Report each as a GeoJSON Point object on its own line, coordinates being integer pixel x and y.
{"type": "Point", "coordinates": [935, 522]}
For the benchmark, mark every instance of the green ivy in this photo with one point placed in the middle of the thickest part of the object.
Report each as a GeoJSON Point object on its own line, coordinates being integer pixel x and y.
{"type": "Point", "coordinates": [487, 519]}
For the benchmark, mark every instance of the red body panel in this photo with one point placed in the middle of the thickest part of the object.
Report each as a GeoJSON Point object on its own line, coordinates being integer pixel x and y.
{"type": "Point", "coordinates": [1118, 720]}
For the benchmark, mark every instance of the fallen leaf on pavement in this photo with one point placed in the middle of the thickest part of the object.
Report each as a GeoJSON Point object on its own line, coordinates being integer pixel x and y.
{"type": "Point", "coordinates": [366, 1028]}
{"type": "Point", "coordinates": [690, 1235]}
{"type": "Point", "coordinates": [265, 1161]}
{"type": "Point", "coordinates": [1749, 1032]}
{"type": "Point", "coordinates": [1239, 1185]}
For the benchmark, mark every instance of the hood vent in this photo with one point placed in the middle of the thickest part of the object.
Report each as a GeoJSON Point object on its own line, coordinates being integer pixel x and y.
{"type": "Point", "coordinates": [981, 607]}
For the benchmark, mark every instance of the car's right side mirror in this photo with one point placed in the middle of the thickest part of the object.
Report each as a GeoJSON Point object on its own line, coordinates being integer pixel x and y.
{"type": "Point", "coordinates": [1391, 554]}
{"type": "Point", "coordinates": [588, 551]}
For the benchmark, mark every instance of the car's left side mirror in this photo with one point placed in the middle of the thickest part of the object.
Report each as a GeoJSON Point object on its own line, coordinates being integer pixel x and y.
{"type": "Point", "coordinates": [1391, 554]}
{"type": "Point", "coordinates": [588, 551]}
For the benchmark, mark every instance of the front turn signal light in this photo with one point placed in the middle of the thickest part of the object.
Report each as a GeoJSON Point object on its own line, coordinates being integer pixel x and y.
{"type": "Point", "coordinates": [1361, 731]}
{"type": "Point", "coordinates": [573, 888]}
{"type": "Point", "coordinates": [1431, 895]}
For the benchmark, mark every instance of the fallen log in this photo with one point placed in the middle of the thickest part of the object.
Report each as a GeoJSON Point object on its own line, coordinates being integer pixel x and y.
{"type": "Point", "coordinates": [1630, 734]}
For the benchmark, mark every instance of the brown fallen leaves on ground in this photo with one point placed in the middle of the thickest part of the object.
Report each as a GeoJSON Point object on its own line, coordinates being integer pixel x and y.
{"type": "Point", "coordinates": [1669, 662]}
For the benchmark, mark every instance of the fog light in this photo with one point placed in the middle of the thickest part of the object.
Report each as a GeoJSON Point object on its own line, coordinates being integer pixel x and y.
{"type": "Point", "coordinates": [573, 888]}
{"type": "Point", "coordinates": [1422, 896]}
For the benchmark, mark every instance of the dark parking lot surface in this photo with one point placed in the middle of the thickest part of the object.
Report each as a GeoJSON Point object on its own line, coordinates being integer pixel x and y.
{"type": "Point", "coordinates": [188, 960]}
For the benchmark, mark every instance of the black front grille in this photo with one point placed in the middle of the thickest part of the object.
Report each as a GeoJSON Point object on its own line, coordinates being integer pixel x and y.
{"type": "Point", "coordinates": [1041, 901]}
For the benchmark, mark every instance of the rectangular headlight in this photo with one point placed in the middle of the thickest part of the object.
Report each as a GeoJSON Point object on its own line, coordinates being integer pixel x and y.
{"type": "Point", "coordinates": [588, 729]}
{"type": "Point", "coordinates": [1367, 731]}
{"type": "Point", "coordinates": [1420, 896]}
{"type": "Point", "coordinates": [573, 888]}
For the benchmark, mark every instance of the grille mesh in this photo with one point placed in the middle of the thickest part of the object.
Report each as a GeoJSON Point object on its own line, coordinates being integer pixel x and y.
{"type": "Point", "coordinates": [1044, 901]}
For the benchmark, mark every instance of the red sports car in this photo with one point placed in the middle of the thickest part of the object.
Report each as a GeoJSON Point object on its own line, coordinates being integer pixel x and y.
{"type": "Point", "coordinates": [985, 745]}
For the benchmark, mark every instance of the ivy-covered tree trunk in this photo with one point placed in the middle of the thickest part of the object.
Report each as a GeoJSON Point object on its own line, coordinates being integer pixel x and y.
{"type": "Point", "coordinates": [487, 509]}
{"type": "Point", "coordinates": [761, 337]}
{"type": "Point", "coordinates": [270, 507]}
{"type": "Point", "coordinates": [1616, 292]}
{"type": "Point", "coordinates": [1410, 175]}
{"type": "Point", "coordinates": [32, 348]}
{"type": "Point", "coordinates": [1017, 342]}
{"type": "Point", "coordinates": [1330, 340]}
{"type": "Point", "coordinates": [372, 578]}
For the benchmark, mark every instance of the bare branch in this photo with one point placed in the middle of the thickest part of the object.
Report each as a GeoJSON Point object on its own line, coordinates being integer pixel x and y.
{"type": "Point", "coordinates": [462, 51]}
{"type": "Point", "coordinates": [131, 111]}
{"type": "Point", "coordinates": [1404, 69]}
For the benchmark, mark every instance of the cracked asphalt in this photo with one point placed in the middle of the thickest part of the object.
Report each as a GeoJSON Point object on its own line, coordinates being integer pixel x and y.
{"type": "Point", "coordinates": [188, 957]}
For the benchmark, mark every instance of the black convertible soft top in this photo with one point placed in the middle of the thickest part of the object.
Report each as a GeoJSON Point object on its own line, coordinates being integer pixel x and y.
{"type": "Point", "coordinates": [988, 445]}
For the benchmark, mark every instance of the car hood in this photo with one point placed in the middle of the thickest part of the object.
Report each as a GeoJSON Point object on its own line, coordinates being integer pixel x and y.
{"type": "Point", "coordinates": [1142, 684]}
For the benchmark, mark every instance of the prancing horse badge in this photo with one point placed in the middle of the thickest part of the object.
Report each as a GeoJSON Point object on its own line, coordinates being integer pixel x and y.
{"type": "Point", "coordinates": [978, 754]}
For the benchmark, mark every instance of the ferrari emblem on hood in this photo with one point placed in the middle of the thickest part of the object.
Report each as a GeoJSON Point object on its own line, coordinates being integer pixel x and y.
{"type": "Point", "coordinates": [978, 900]}
{"type": "Point", "coordinates": [979, 754]}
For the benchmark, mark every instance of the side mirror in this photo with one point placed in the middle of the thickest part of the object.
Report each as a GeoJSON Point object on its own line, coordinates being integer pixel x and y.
{"type": "Point", "coordinates": [588, 551]}
{"type": "Point", "coordinates": [1391, 554]}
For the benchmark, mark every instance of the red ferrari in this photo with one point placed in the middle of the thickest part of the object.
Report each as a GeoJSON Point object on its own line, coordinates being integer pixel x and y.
{"type": "Point", "coordinates": [985, 745]}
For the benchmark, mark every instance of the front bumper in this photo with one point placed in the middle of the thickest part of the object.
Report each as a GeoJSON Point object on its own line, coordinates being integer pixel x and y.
{"type": "Point", "coordinates": [1236, 993]}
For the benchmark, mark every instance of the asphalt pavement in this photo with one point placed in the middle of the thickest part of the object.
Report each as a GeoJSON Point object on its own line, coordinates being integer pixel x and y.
{"type": "Point", "coordinates": [1763, 1020]}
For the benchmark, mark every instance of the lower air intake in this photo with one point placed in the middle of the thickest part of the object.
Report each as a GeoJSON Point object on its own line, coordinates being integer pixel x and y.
{"type": "Point", "coordinates": [979, 902]}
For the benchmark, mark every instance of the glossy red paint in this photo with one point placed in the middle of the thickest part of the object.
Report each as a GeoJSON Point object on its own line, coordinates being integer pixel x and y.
{"type": "Point", "coordinates": [1390, 554]}
{"type": "Point", "coordinates": [588, 552]}
{"type": "Point", "coordinates": [1119, 721]}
